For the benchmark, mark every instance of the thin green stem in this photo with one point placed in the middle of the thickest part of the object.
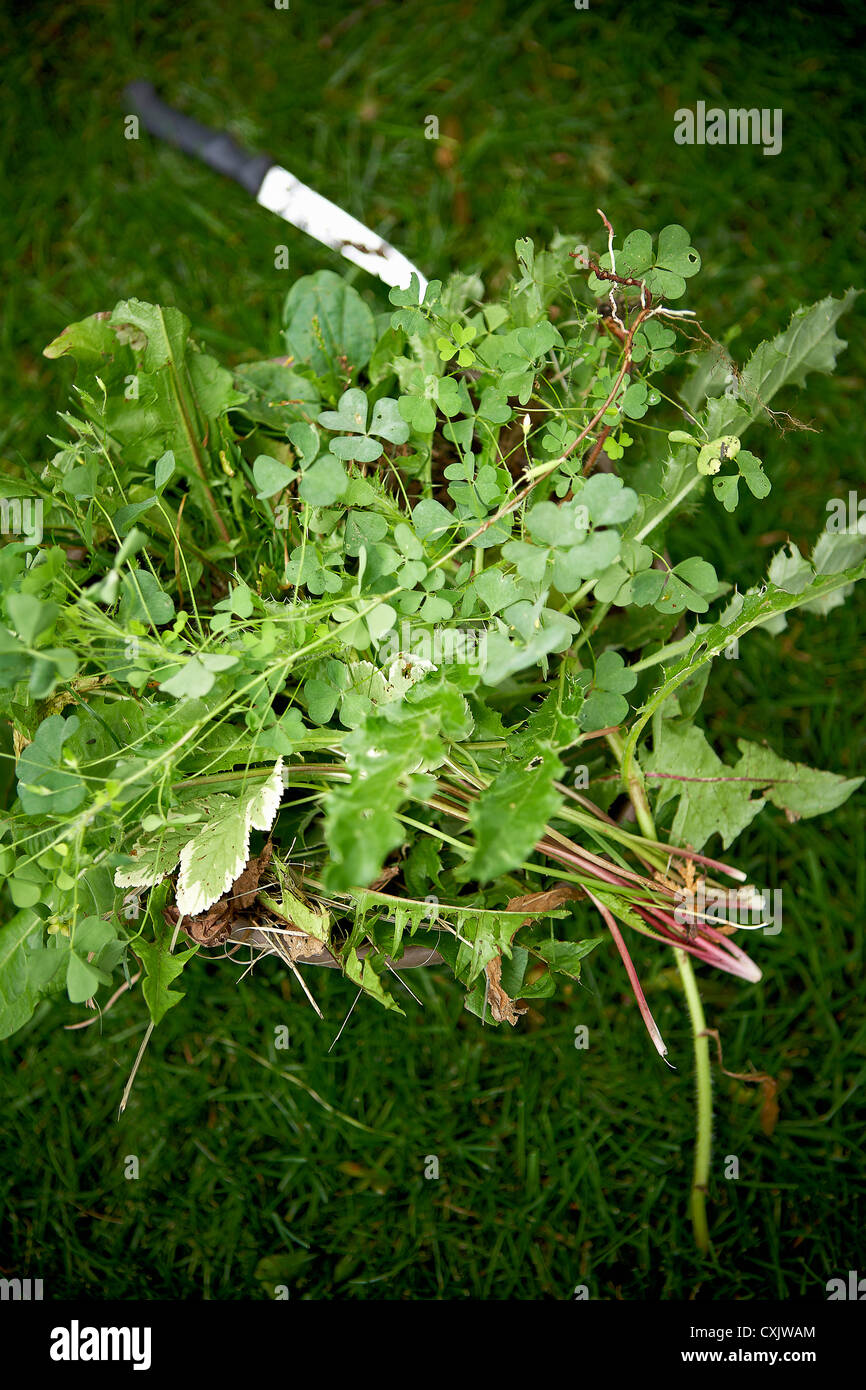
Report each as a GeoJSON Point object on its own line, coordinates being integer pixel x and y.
{"type": "Point", "coordinates": [703, 1077]}
{"type": "Point", "coordinates": [704, 1088]}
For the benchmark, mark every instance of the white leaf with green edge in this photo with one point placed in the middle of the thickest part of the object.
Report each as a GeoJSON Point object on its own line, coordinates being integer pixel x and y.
{"type": "Point", "coordinates": [210, 863]}
{"type": "Point", "coordinates": [510, 815]}
{"type": "Point", "coordinates": [155, 856]}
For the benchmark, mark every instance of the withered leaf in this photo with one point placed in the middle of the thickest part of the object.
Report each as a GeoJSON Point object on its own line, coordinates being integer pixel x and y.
{"type": "Point", "coordinates": [213, 927]}
{"type": "Point", "coordinates": [502, 1006]}
{"type": "Point", "coordinates": [245, 887]}
{"type": "Point", "coordinates": [543, 902]}
{"type": "Point", "coordinates": [384, 878]}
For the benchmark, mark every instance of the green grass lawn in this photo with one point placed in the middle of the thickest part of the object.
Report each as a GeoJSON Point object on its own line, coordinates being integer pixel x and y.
{"type": "Point", "coordinates": [558, 1167]}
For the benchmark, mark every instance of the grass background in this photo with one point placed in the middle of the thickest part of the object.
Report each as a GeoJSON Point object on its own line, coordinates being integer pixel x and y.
{"type": "Point", "coordinates": [558, 1167]}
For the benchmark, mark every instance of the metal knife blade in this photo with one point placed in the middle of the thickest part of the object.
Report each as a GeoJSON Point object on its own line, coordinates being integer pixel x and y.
{"type": "Point", "coordinates": [307, 210]}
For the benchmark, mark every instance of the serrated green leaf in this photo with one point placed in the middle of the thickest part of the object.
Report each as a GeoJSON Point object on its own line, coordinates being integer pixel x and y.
{"type": "Point", "coordinates": [510, 816]}
{"type": "Point", "coordinates": [710, 796]}
{"type": "Point", "coordinates": [796, 789]}
{"type": "Point", "coordinates": [161, 967]}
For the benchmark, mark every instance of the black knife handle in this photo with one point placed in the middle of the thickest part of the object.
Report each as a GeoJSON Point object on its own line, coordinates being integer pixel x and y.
{"type": "Point", "coordinates": [213, 147]}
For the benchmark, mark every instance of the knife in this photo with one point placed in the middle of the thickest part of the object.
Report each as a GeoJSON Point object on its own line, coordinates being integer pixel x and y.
{"type": "Point", "coordinates": [274, 188]}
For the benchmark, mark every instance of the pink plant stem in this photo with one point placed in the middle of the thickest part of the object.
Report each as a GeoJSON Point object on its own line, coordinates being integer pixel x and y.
{"type": "Point", "coordinates": [598, 867]}
{"type": "Point", "coordinates": [735, 950]}
{"type": "Point", "coordinates": [712, 947]}
{"type": "Point", "coordinates": [649, 1021]}
{"type": "Point", "coordinates": [701, 859]}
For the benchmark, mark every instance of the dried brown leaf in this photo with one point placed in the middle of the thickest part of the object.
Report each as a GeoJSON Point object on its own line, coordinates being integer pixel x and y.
{"type": "Point", "coordinates": [543, 902]}
{"type": "Point", "coordinates": [502, 1006]}
{"type": "Point", "coordinates": [213, 927]}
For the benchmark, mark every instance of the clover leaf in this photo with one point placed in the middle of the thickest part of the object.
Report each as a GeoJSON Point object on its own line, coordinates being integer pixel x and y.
{"type": "Point", "coordinates": [690, 584]}
{"type": "Point", "coordinates": [750, 469]}
{"type": "Point", "coordinates": [654, 341]}
{"type": "Point", "coordinates": [324, 482]}
{"type": "Point", "coordinates": [410, 302]}
{"type": "Point", "coordinates": [664, 273]}
{"type": "Point", "coordinates": [271, 476]}
{"type": "Point", "coordinates": [387, 423]}
{"type": "Point", "coordinates": [605, 689]}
